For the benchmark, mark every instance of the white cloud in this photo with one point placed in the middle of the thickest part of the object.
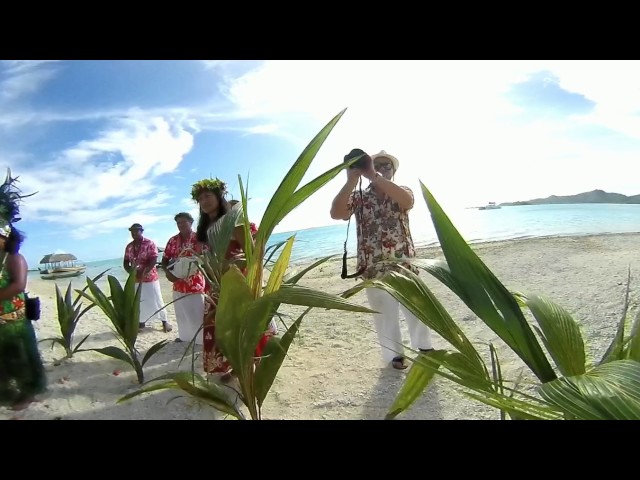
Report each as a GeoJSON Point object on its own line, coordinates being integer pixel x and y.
{"type": "Point", "coordinates": [108, 182]}
{"type": "Point", "coordinates": [23, 77]}
{"type": "Point", "coordinates": [450, 125]}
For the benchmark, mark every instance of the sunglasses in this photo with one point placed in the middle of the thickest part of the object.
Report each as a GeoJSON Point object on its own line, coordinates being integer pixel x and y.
{"type": "Point", "coordinates": [383, 166]}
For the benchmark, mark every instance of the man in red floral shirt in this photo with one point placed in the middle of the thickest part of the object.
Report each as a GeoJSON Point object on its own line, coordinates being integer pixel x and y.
{"type": "Point", "coordinates": [188, 291]}
{"type": "Point", "coordinates": [141, 255]}
{"type": "Point", "coordinates": [382, 216]}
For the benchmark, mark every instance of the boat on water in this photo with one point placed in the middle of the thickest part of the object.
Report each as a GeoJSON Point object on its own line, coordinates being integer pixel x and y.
{"type": "Point", "coordinates": [60, 265]}
{"type": "Point", "coordinates": [490, 206]}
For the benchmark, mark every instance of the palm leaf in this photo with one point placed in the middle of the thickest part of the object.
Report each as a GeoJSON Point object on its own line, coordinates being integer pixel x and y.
{"type": "Point", "coordinates": [608, 392]}
{"type": "Point", "coordinates": [307, 297]}
{"type": "Point", "coordinates": [248, 239]}
{"type": "Point", "coordinates": [103, 303]}
{"type": "Point", "coordinates": [95, 279]}
{"type": "Point", "coordinates": [524, 410]}
{"type": "Point", "coordinates": [616, 348]}
{"type": "Point", "coordinates": [560, 333]}
{"type": "Point", "coordinates": [274, 354]}
{"type": "Point", "coordinates": [113, 352]}
{"type": "Point", "coordinates": [211, 394]}
{"type": "Point", "coordinates": [285, 198]}
{"type": "Point", "coordinates": [440, 270]}
{"type": "Point", "coordinates": [486, 296]}
{"type": "Point", "coordinates": [153, 350]}
{"type": "Point", "coordinates": [633, 348]}
{"type": "Point", "coordinates": [417, 380]}
{"type": "Point", "coordinates": [496, 373]}
{"type": "Point", "coordinates": [280, 268]}
{"type": "Point", "coordinates": [271, 250]}
{"type": "Point", "coordinates": [409, 289]}
{"type": "Point", "coordinates": [77, 349]}
{"type": "Point", "coordinates": [292, 280]}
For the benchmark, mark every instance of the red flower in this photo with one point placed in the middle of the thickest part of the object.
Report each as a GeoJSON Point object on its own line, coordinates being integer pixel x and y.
{"type": "Point", "coordinates": [18, 303]}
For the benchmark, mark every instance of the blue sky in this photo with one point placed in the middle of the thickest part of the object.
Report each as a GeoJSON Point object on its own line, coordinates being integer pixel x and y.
{"type": "Point", "coordinates": [109, 143]}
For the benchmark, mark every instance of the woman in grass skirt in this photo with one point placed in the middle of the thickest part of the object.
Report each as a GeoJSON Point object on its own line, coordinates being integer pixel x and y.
{"type": "Point", "coordinates": [22, 374]}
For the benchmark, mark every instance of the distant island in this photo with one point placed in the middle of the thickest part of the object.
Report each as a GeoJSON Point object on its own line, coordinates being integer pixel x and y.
{"type": "Point", "coordinates": [596, 196]}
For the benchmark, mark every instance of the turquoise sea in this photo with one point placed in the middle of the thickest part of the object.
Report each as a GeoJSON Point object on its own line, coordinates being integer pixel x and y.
{"type": "Point", "coordinates": [474, 225]}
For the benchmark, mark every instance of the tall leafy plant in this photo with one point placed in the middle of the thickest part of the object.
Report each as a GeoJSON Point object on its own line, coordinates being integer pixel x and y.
{"type": "Point", "coordinates": [246, 304]}
{"type": "Point", "coordinates": [122, 308]}
{"type": "Point", "coordinates": [573, 389]}
{"type": "Point", "coordinates": [69, 314]}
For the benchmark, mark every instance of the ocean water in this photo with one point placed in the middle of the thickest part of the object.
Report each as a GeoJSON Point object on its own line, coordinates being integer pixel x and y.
{"type": "Point", "coordinates": [527, 221]}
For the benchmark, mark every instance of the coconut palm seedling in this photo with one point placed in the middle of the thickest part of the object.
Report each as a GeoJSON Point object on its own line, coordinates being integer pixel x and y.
{"type": "Point", "coordinates": [247, 303]}
{"type": "Point", "coordinates": [574, 389]}
{"type": "Point", "coordinates": [122, 308]}
{"type": "Point", "coordinates": [69, 314]}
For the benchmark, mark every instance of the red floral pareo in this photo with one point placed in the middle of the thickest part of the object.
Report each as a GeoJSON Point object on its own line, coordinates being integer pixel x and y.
{"type": "Point", "coordinates": [213, 359]}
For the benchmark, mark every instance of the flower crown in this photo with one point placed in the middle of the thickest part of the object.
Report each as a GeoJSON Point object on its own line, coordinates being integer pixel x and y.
{"type": "Point", "coordinates": [207, 184]}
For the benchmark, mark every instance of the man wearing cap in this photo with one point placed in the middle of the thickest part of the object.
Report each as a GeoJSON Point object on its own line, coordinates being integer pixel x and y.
{"type": "Point", "coordinates": [141, 255]}
{"type": "Point", "coordinates": [188, 290]}
{"type": "Point", "coordinates": [382, 218]}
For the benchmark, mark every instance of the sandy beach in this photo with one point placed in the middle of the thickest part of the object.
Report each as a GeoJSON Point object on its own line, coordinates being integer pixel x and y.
{"type": "Point", "coordinates": [334, 369]}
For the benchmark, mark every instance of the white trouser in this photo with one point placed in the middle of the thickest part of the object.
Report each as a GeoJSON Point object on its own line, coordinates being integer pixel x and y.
{"type": "Point", "coordinates": [151, 301]}
{"type": "Point", "coordinates": [388, 325]}
{"type": "Point", "coordinates": [189, 308]}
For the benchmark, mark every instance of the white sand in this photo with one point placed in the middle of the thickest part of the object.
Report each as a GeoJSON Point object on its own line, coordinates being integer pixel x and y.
{"type": "Point", "coordinates": [334, 369]}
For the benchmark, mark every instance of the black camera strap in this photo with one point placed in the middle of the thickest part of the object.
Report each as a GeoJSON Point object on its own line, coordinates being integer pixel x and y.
{"type": "Point", "coordinates": [344, 275]}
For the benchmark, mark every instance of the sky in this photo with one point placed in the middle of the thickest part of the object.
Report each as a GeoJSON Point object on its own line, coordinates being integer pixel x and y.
{"type": "Point", "coordinates": [109, 143]}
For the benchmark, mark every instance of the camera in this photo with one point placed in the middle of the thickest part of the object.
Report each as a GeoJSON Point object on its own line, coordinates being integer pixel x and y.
{"type": "Point", "coordinates": [364, 161]}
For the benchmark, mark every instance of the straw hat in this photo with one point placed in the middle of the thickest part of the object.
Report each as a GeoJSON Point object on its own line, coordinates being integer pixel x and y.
{"type": "Point", "coordinates": [383, 154]}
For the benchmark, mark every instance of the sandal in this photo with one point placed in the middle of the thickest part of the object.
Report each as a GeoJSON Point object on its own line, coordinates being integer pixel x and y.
{"type": "Point", "coordinates": [141, 326]}
{"type": "Point", "coordinates": [399, 363]}
{"type": "Point", "coordinates": [166, 328]}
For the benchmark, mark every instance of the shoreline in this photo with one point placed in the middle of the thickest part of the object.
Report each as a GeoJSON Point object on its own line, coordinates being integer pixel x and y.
{"type": "Point", "coordinates": [485, 243]}
{"type": "Point", "coordinates": [430, 246]}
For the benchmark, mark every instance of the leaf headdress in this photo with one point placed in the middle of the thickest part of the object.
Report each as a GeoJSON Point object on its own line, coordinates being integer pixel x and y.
{"type": "Point", "coordinates": [212, 184]}
{"type": "Point", "coordinates": [10, 199]}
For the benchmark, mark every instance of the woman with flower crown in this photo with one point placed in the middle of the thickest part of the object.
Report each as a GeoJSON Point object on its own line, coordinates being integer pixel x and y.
{"type": "Point", "coordinates": [22, 374]}
{"type": "Point", "coordinates": [210, 196]}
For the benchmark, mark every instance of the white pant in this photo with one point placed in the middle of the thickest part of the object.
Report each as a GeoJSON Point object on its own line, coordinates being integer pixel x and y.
{"type": "Point", "coordinates": [189, 308]}
{"type": "Point", "coordinates": [388, 325]}
{"type": "Point", "coordinates": [151, 301]}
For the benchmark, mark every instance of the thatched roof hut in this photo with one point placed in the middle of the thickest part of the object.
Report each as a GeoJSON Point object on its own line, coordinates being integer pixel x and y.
{"type": "Point", "coordinates": [58, 257]}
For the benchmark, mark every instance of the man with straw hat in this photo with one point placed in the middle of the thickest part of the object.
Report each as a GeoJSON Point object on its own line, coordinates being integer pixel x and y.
{"type": "Point", "coordinates": [382, 220]}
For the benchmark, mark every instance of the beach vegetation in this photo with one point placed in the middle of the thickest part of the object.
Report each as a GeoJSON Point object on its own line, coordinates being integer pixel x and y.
{"type": "Point", "coordinates": [70, 312]}
{"type": "Point", "coordinates": [122, 308]}
{"type": "Point", "coordinates": [247, 300]}
{"type": "Point", "coordinates": [567, 384]}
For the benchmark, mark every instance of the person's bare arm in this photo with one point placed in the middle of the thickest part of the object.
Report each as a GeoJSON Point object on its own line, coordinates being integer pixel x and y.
{"type": "Point", "coordinates": [149, 265]}
{"type": "Point", "coordinates": [340, 205]}
{"type": "Point", "coordinates": [17, 268]}
{"type": "Point", "coordinates": [398, 194]}
{"type": "Point", "coordinates": [165, 263]}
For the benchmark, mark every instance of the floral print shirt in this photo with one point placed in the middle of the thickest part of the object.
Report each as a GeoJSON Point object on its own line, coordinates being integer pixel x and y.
{"type": "Point", "coordinates": [141, 256]}
{"type": "Point", "coordinates": [15, 303]}
{"type": "Point", "coordinates": [177, 248]}
{"type": "Point", "coordinates": [383, 232]}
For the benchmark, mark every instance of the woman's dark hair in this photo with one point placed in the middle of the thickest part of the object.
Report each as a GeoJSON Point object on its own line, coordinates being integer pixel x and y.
{"type": "Point", "coordinates": [14, 241]}
{"type": "Point", "coordinates": [204, 221]}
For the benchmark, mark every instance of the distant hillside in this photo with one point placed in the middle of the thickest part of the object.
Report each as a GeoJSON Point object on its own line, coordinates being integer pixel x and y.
{"type": "Point", "coordinates": [596, 196]}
